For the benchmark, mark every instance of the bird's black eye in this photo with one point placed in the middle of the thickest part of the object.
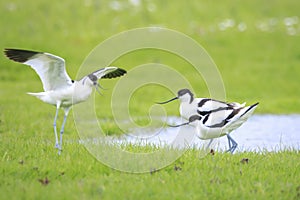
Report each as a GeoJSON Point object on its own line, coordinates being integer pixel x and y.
{"type": "Point", "coordinates": [72, 81]}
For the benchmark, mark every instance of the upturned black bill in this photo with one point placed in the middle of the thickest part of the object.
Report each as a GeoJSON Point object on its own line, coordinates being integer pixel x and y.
{"type": "Point", "coordinates": [167, 101]}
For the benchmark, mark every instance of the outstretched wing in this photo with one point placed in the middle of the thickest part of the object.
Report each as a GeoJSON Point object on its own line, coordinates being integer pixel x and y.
{"type": "Point", "coordinates": [117, 73]}
{"type": "Point", "coordinates": [50, 68]}
{"type": "Point", "coordinates": [109, 72]}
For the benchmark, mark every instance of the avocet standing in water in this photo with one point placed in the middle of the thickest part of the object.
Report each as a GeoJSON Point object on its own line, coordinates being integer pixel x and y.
{"type": "Point", "coordinates": [219, 123]}
{"type": "Point", "coordinates": [199, 106]}
{"type": "Point", "coordinates": [59, 89]}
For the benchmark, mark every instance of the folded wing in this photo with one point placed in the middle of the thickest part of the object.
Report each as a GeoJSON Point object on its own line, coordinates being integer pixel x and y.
{"type": "Point", "coordinates": [207, 106]}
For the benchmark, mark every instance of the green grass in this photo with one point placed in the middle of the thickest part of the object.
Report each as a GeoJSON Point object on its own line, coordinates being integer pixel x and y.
{"type": "Point", "coordinates": [255, 66]}
{"type": "Point", "coordinates": [76, 175]}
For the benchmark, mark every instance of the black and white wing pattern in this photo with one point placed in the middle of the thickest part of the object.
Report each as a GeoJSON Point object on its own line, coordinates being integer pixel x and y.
{"type": "Point", "coordinates": [207, 106]}
{"type": "Point", "coordinates": [50, 68]}
{"type": "Point", "coordinates": [220, 118]}
{"type": "Point", "coordinates": [117, 73]}
{"type": "Point", "coordinates": [233, 117]}
{"type": "Point", "coordinates": [109, 72]}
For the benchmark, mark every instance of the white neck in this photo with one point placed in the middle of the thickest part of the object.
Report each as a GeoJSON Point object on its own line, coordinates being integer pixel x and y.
{"type": "Point", "coordinates": [82, 90]}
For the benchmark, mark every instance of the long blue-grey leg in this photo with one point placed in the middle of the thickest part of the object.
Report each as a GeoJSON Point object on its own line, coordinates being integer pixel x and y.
{"type": "Point", "coordinates": [62, 128]}
{"type": "Point", "coordinates": [229, 143]}
{"type": "Point", "coordinates": [234, 144]}
{"type": "Point", "coordinates": [211, 140]}
{"type": "Point", "coordinates": [54, 125]}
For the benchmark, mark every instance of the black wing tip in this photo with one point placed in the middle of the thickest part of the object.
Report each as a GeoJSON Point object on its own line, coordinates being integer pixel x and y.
{"type": "Point", "coordinates": [253, 106]}
{"type": "Point", "coordinates": [121, 71]}
{"type": "Point", "coordinates": [250, 108]}
{"type": "Point", "coordinates": [19, 55]}
{"type": "Point", "coordinates": [116, 73]}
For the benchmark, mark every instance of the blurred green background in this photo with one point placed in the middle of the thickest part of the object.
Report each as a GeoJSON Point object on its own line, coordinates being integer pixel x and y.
{"type": "Point", "coordinates": [255, 44]}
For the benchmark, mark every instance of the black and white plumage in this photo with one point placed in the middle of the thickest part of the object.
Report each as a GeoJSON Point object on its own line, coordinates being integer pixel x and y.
{"type": "Point", "coordinates": [59, 89]}
{"type": "Point", "coordinates": [221, 122]}
{"type": "Point", "coordinates": [199, 106]}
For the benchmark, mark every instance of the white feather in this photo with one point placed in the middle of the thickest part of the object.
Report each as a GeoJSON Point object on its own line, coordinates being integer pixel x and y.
{"type": "Point", "coordinates": [51, 70]}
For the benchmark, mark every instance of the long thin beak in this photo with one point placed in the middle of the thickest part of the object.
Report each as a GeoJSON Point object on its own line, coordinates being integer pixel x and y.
{"type": "Point", "coordinates": [175, 126]}
{"type": "Point", "coordinates": [167, 101]}
{"type": "Point", "coordinates": [97, 86]}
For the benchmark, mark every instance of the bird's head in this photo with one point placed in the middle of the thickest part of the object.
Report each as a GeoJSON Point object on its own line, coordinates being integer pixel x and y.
{"type": "Point", "coordinates": [92, 80]}
{"type": "Point", "coordinates": [184, 95]}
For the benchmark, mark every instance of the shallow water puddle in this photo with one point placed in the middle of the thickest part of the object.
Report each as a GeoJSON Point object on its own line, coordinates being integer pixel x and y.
{"type": "Point", "coordinates": [260, 132]}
